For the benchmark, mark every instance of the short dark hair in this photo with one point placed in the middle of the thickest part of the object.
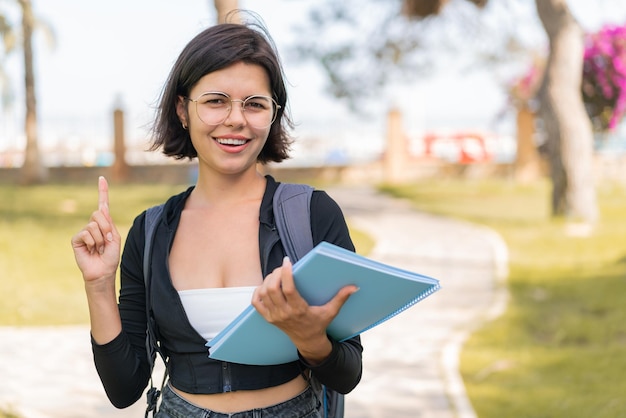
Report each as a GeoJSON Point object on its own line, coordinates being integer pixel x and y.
{"type": "Point", "coordinates": [215, 48]}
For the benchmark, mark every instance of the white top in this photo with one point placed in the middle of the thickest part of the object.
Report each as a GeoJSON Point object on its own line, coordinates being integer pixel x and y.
{"type": "Point", "coordinates": [210, 310]}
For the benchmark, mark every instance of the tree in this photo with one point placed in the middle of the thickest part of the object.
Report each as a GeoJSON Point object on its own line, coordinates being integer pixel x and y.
{"type": "Point", "coordinates": [425, 8]}
{"type": "Point", "coordinates": [8, 45]}
{"type": "Point", "coordinates": [569, 137]}
{"type": "Point", "coordinates": [33, 169]}
{"type": "Point", "coordinates": [223, 7]}
{"type": "Point", "coordinates": [403, 27]}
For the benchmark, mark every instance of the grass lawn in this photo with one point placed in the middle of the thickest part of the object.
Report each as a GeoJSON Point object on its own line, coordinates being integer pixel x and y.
{"type": "Point", "coordinates": [560, 348]}
{"type": "Point", "coordinates": [8, 413]}
{"type": "Point", "coordinates": [40, 281]}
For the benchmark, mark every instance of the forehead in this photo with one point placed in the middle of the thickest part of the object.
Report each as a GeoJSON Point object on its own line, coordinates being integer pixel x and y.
{"type": "Point", "coordinates": [237, 80]}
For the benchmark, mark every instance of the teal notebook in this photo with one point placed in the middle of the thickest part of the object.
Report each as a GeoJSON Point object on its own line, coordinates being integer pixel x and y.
{"type": "Point", "coordinates": [384, 292]}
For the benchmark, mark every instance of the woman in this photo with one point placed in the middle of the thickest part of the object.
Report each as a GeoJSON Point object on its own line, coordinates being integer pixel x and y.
{"type": "Point", "coordinates": [215, 249]}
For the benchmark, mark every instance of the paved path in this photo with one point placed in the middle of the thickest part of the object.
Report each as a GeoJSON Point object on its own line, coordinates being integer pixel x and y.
{"type": "Point", "coordinates": [409, 362]}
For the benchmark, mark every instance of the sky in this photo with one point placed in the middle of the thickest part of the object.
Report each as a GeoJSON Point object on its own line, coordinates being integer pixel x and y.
{"type": "Point", "coordinates": [118, 54]}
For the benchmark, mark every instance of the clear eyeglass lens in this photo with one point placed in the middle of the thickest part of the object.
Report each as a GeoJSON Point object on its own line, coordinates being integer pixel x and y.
{"type": "Point", "coordinates": [213, 108]}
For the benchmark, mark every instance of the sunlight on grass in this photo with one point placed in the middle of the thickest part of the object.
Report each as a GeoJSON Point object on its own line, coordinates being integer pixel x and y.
{"type": "Point", "coordinates": [36, 225]}
{"type": "Point", "coordinates": [560, 348]}
{"type": "Point", "coordinates": [363, 243]}
{"type": "Point", "coordinates": [8, 414]}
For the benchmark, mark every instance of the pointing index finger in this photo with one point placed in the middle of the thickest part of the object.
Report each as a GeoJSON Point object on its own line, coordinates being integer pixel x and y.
{"type": "Point", "coordinates": [103, 195]}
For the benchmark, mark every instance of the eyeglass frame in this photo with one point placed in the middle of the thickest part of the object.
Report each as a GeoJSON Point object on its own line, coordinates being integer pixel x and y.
{"type": "Point", "coordinates": [230, 107]}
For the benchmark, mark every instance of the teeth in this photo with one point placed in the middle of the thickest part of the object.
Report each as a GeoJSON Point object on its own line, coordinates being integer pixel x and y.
{"type": "Point", "coordinates": [231, 141]}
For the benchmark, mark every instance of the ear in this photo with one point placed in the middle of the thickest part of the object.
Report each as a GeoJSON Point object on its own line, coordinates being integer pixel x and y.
{"type": "Point", "coordinates": [181, 111]}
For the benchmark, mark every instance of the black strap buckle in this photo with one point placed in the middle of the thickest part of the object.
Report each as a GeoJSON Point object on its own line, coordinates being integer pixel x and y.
{"type": "Point", "coordinates": [152, 397]}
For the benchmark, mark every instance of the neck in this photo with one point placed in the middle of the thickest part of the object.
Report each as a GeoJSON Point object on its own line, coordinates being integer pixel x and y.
{"type": "Point", "coordinates": [213, 190]}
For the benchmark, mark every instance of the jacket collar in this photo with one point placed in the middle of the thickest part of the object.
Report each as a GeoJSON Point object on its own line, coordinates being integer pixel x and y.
{"type": "Point", "coordinates": [266, 215]}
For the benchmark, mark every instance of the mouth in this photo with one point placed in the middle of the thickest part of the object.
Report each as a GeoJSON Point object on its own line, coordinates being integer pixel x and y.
{"type": "Point", "coordinates": [231, 142]}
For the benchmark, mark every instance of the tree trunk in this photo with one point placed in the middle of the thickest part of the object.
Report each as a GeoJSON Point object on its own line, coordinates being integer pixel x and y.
{"type": "Point", "coordinates": [223, 7]}
{"type": "Point", "coordinates": [33, 170]}
{"type": "Point", "coordinates": [569, 139]}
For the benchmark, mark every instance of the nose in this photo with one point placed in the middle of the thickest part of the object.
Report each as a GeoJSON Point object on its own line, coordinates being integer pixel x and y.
{"type": "Point", "coordinates": [236, 117]}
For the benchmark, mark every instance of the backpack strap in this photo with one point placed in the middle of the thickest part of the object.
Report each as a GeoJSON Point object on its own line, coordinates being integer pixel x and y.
{"type": "Point", "coordinates": [151, 219]}
{"type": "Point", "coordinates": [292, 215]}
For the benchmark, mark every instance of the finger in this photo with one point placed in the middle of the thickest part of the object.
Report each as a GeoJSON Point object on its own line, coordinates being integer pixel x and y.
{"type": "Point", "coordinates": [105, 224]}
{"type": "Point", "coordinates": [103, 206]}
{"type": "Point", "coordinates": [342, 297]}
{"type": "Point", "coordinates": [288, 286]}
{"type": "Point", "coordinates": [257, 300]}
{"type": "Point", "coordinates": [280, 281]}
{"type": "Point", "coordinates": [103, 195]}
{"type": "Point", "coordinates": [97, 236]}
{"type": "Point", "coordinates": [84, 239]}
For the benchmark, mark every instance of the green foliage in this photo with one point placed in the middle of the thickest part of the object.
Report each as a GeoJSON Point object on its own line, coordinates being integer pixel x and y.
{"type": "Point", "coordinates": [560, 348]}
{"type": "Point", "coordinates": [377, 44]}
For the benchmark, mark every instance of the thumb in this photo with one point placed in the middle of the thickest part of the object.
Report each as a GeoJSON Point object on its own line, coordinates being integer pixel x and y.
{"type": "Point", "coordinates": [342, 297]}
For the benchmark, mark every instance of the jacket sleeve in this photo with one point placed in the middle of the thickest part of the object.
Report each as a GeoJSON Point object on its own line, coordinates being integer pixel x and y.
{"type": "Point", "coordinates": [342, 370]}
{"type": "Point", "coordinates": [122, 363]}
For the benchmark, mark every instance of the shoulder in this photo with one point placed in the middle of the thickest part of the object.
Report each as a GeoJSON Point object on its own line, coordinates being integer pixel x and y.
{"type": "Point", "coordinates": [328, 222]}
{"type": "Point", "coordinates": [323, 205]}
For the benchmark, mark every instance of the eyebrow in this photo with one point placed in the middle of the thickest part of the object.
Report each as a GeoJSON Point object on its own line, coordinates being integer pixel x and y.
{"type": "Point", "coordinates": [230, 96]}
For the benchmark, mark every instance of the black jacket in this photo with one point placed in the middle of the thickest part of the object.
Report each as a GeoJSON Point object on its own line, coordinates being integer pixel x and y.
{"type": "Point", "coordinates": [122, 363]}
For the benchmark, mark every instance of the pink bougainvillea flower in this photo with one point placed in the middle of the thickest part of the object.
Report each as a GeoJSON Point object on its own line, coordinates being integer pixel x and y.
{"type": "Point", "coordinates": [604, 76]}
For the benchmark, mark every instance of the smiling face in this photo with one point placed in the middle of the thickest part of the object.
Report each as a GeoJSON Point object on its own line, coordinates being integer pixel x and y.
{"type": "Point", "coordinates": [232, 146]}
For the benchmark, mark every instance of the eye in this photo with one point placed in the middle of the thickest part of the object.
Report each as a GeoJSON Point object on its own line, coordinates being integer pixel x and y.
{"type": "Point", "coordinates": [258, 103]}
{"type": "Point", "coordinates": [216, 100]}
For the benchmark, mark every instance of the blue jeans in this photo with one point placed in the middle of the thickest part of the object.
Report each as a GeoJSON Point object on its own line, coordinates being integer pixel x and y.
{"type": "Point", "coordinates": [305, 405]}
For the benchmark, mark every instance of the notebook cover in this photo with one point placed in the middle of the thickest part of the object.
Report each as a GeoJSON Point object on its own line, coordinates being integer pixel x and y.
{"type": "Point", "coordinates": [384, 291]}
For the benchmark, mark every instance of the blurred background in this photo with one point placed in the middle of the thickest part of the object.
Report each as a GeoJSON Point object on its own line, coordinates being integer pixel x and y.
{"type": "Point", "coordinates": [506, 114]}
{"type": "Point", "coordinates": [453, 74]}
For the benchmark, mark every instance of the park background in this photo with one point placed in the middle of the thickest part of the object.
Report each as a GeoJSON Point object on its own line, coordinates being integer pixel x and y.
{"type": "Point", "coordinates": [118, 54]}
{"type": "Point", "coordinates": [122, 64]}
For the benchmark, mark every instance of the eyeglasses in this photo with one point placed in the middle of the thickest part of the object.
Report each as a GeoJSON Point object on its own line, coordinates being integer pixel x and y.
{"type": "Point", "coordinates": [213, 108]}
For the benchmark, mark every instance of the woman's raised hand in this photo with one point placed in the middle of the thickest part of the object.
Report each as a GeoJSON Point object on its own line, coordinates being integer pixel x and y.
{"type": "Point", "coordinates": [97, 245]}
